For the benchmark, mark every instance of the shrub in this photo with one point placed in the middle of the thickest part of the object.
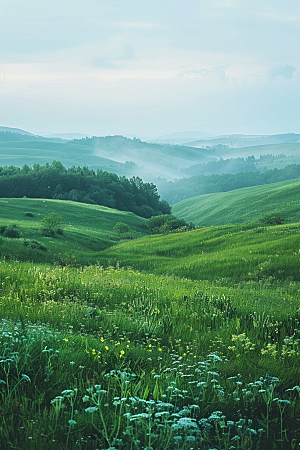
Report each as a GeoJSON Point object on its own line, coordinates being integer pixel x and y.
{"type": "Point", "coordinates": [121, 228]}
{"type": "Point", "coordinates": [48, 232]}
{"type": "Point", "coordinates": [29, 214]}
{"type": "Point", "coordinates": [272, 219]}
{"type": "Point", "coordinates": [165, 223]}
{"type": "Point", "coordinates": [51, 224]}
{"type": "Point", "coordinates": [35, 245]}
{"type": "Point", "coordinates": [52, 220]}
{"type": "Point", "coordinates": [11, 232]}
{"type": "Point", "coordinates": [2, 229]}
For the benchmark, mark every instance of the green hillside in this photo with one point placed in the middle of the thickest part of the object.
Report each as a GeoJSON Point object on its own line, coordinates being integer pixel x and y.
{"type": "Point", "coordinates": [87, 229]}
{"type": "Point", "coordinates": [230, 253]}
{"type": "Point", "coordinates": [242, 205]}
{"type": "Point", "coordinates": [198, 347]}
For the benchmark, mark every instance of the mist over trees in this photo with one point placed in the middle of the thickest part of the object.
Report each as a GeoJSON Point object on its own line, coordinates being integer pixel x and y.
{"type": "Point", "coordinates": [175, 191]}
{"type": "Point", "coordinates": [81, 184]}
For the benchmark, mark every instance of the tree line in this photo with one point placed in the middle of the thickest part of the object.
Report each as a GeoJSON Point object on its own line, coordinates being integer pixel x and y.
{"type": "Point", "coordinates": [175, 191]}
{"type": "Point", "coordinates": [80, 184]}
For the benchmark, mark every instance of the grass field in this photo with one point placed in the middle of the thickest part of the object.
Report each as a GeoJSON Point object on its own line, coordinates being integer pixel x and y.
{"type": "Point", "coordinates": [196, 346]}
{"type": "Point", "coordinates": [242, 205]}
{"type": "Point", "coordinates": [87, 230]}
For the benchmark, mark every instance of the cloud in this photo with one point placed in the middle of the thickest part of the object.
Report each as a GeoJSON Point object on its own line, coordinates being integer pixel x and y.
{"type": "Point", "coordinates": [285, 71]}
{"type": "Point", "coordinates": [277, 16]}
{"type": "Point", "coordinates": [226, 4]}
{"type": "Point", "coordinates": [217, 73]}
{"type": "Point", "coordinates": [137, 25]}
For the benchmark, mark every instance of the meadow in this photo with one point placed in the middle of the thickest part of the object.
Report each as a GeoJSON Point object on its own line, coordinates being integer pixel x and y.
{"type": "Point", "coordinates": [242, 205]}
{"type": "Point", "coordinates": [181, 341]}
{"type": "Point", "coordinates": [86, 229]}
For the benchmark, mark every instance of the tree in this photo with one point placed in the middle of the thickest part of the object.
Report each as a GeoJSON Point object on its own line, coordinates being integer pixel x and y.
{"type": "Point", "coordinates": [52, 223]}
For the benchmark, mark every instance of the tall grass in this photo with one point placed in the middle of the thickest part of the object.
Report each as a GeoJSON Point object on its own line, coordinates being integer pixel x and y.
{"type": "Point", "coordinates": [97, 358]}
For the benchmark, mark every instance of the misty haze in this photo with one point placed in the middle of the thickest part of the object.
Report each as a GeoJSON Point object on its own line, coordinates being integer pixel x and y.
{"type": "Point", "coordinates": [149, 225]}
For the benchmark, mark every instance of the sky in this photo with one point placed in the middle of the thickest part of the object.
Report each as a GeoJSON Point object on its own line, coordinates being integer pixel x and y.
{"type": "Point", "coordinates": [150, 67]}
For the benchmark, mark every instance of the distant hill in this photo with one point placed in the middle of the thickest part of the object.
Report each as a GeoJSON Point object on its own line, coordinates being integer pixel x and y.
{"type": "Point", "coordinates": [67, 136]}
{"type": "Point", "coordinates": [180, 137]}
{"type": "Point", "coordinates": [239, 140]}
{"type": "Point", "coordinates": [117, 154]}
{"type": "Point", "coordinates": [185, 188]}
{"type": "Point", "coordinates": [15, 130]}
{"type": "Point", "coordinates": [152, 161]}
{"type": "Point", "coordinates": [243, 205]}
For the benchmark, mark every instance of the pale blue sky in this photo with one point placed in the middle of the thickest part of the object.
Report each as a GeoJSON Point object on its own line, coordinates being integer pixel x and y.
{"type": "Point", "coordinates": [150, 67]}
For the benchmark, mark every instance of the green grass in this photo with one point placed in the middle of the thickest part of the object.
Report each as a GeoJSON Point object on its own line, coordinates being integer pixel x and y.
{"type": "Point", "coordinates": [87, 230]}
{"type": "Point", "coordinates": [196, 346]}
{"type": "Point", "coordinates": [227, 254]}
{"type": "Point", "coordinates": [134, 345]}
{"type": "Point", "coordinates": [242, 205]}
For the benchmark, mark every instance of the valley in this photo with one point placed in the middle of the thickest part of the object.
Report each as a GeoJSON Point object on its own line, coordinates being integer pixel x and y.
{"type": "Point", "coordinates": [120, 335]}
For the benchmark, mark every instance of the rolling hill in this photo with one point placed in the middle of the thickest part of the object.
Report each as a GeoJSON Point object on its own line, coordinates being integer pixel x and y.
{"type": "Point", "coordinates": [240, 140]}
{"type": "Point", "coordinates": [242, 205]}
{"type": "Point", "coordinates": [223, 254]}
{"type": "Point", "coordinates": [87, 229]}
{"type": "Point", "coordinates": [117, 154]}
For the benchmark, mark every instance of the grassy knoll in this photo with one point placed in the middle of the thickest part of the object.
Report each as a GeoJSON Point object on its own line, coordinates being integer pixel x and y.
{"type": "Point", "coordinates": [87, 229]}
{"type": "Point", "coordinates": [242, 205]}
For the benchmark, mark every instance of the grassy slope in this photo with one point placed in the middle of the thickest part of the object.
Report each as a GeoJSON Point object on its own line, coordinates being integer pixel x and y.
{"type": "Point", "coordinates": [224, 254]}
{"type": "Point", "coordinates": [242, 205]}
{"type": "Point", "coordinates": [87, 229]}
{"type": "Point", "coordinates": [75, 325]}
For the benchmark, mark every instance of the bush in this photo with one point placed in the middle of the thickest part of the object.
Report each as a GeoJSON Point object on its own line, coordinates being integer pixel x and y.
{"type": "Point", "coordinates": [29, 214]}
{"type": "Point", "coordinates": [11, 232]}
{"type": "Point", "coordinates": [272, 219]}
{"type": "Point", "coordinates": [36, 245]}
{"type": "Point", "coordinates": [2, 229]}
{"type": "Point", "coordinates": [121, 228]}
{"type": "Point", "coordinates": [51, 224]}
{"type": "Point", "coordinates": [48, 232]}
{"type": "Point", "coordinates": [165, 223]}
{"type": "Point", "coordinates": [52, 220]}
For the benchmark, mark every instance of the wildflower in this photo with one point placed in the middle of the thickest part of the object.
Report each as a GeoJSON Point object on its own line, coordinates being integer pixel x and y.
{"type": "Point", "coordinates": [66, 340]}
{"type": "Point", "coordinates": [159, 349]}
{"type": "Point", "coordinates": [106, 348]}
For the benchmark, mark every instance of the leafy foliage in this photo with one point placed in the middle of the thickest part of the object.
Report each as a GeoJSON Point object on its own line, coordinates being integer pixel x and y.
{"type": "Point", "coordinates": [82, 185]}
{"type": "Point", "coordinates": [52, 220]}
{"type": "Point", "coordinates": [10, 231]}
{"type": "Point", "coordinates": [272, 219]}
{"type": "Point", "coordinates": [166, 223]}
